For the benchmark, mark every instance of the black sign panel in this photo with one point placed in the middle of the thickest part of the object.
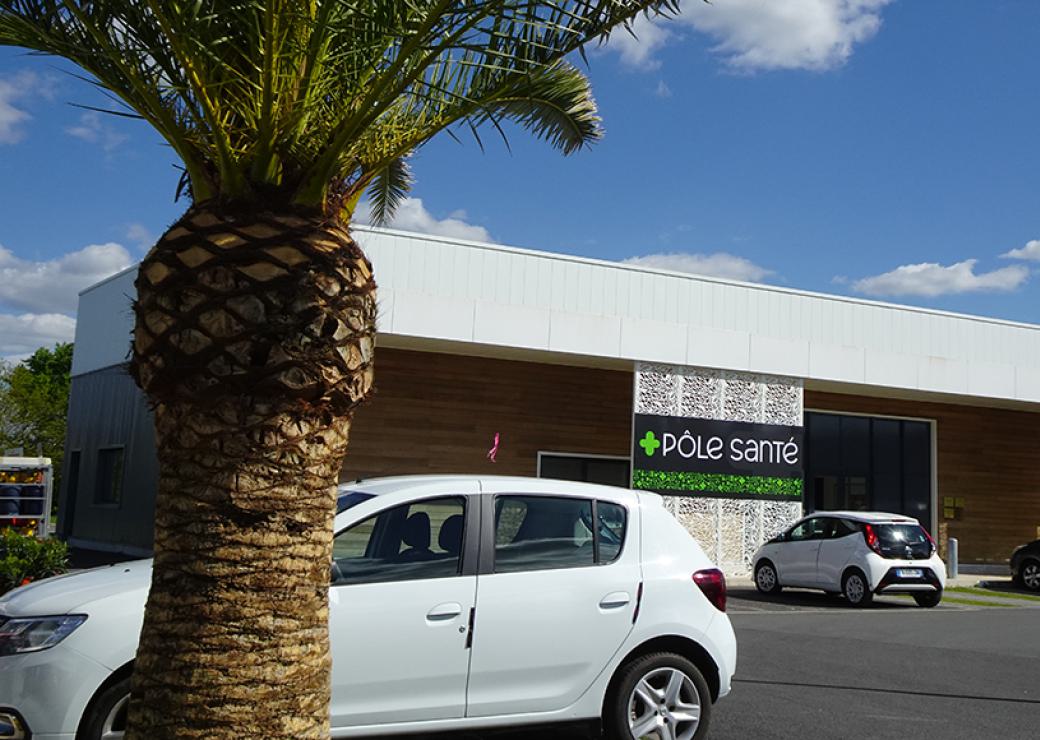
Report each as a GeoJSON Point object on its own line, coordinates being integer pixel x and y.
{"type": "Point", "coordinates": [730, 459]}
{"type": "Point", "coordinates": [710, 446]}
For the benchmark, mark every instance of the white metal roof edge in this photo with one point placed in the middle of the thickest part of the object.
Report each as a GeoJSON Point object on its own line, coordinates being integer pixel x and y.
{"type": "Point", "coordinates": [471, 244]}
{"type": "Point", "coordinates": [110, 278]}
{"type": "Point", "coordinates": [689, 276]}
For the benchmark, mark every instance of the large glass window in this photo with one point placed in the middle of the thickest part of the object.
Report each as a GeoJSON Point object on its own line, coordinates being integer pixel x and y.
{"type": "Point", "coordinates": [864, 463]}
{"type": "Point", "coordinates": [417, 540]}
{"type": "Point", "coordinates": [607, 471]}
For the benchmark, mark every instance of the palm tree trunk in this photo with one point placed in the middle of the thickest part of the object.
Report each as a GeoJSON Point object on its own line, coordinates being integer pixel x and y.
{"type": "Point", "coordinates": [254, 339]}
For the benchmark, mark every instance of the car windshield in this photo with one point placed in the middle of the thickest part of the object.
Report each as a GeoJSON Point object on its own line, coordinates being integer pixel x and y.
{"type": "Point", "coordinates": [351, 499]}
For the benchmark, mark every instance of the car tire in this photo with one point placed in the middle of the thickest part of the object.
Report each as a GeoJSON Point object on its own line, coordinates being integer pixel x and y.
{"type": "Point", "coordinates": [1029, 574]}
{"type": "Point", "coordinates": [856, 588]}
{"type": "Point", "coordinates": [106, 717]}
{"type": "Point", "coordinates": [641, 698]}
{"type": "Point", "coordinates": [767, 580]}
{"type": "Point", "coordinates": [928, 600]}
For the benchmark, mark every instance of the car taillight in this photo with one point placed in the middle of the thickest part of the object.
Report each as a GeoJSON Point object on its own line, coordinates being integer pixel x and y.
{"type": "Point", "coordinates": [713, 584]}
{"type": "Point", "coordinates": [930, 540]}
{"type": "Point", "coordinates": [871, 536]}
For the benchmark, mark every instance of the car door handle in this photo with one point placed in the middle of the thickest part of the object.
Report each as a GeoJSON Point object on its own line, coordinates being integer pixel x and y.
{"type": "Point", "coordinates": [615, 600]}
{"type": "Point", "coordinates": [444, 612]}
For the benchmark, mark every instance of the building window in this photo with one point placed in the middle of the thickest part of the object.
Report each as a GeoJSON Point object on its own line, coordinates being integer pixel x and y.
{"type": "Point", "coordinates": [868, 463]}
{"type": "Point", "coordinates": [607, 471]}
{"type": "Point", "coordinates": [108, 480]}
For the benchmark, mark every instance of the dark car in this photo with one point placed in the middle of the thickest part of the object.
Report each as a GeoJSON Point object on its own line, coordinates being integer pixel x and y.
{"type": "Point", "coordinates": [1025, 566]}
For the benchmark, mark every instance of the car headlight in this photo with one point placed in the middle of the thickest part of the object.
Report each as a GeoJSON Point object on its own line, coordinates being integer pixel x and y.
{"type": "Point", "coordinates": [30, 634]}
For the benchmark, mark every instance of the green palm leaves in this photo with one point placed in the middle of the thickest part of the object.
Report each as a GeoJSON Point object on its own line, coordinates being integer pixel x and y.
{"type": "Point", "coordinates": [313, 102]}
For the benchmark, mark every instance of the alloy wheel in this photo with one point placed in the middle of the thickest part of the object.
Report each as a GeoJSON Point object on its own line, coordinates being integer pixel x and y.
{"type": "Point", "coordinates": [115, 723]}
{"type": "Point", "coordinates": [664, 705]}
{"type": "Point", "coordinates": [855, 589]}
{"type": "Point", "coordinates": [765, 578]}
{"type": "Point", "coordinates": [1031, 575]}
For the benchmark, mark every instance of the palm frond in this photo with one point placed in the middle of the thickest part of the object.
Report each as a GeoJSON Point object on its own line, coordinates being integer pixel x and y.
{"type": "Point", "coordinates": [301, 102]}
{"type": "Point", "coordinates": [390, 185]}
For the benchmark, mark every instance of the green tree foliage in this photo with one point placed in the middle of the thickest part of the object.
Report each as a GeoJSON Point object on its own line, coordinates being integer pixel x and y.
{"type": "Point", "coordinates": [34, 402]}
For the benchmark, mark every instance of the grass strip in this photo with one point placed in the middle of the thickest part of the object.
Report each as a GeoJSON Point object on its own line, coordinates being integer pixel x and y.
{"type": "Point", "coordinates": [975, 602]}
{"type": "Point", "coordinates": [962, 601]}
{"type": "Point", "coordinates": [976, 591]}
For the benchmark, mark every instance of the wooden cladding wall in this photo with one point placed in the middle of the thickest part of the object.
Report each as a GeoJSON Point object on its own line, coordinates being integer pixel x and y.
{"type": "Point", "coordinates": [988, 457]}
{"type": "Point", "coordinates": [438, 413]}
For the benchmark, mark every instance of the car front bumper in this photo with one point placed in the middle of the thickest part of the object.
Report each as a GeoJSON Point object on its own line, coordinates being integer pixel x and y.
{"type": "Point", "coordinates": [49, 690]}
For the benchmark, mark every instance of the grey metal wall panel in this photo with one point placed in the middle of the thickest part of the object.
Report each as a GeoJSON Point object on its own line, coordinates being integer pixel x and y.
{"type": "Point", "coordinates": [106, 409]}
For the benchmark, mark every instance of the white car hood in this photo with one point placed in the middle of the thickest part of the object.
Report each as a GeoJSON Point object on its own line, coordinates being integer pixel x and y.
{"type": "Point", "coordinates": [67, 593]}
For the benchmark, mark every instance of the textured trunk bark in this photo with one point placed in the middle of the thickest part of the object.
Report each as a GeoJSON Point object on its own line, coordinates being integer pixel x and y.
{"type": "Point", "coordinates": [253, 341]}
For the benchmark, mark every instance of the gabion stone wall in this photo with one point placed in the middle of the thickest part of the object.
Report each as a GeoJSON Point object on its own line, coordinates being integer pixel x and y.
{"type": "Point", "coordinates": [729, 530]}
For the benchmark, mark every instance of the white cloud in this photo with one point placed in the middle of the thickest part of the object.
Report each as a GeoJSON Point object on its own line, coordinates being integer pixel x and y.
{"type": "Point", "coordinates": [53, 286]}
{"type": "Point", "coordinates": [14, 91]}
{"type": "Point", "coordinates": [140, 234]}
{"type": "Point", "coordinates": [930, 280]}
{"type": "Point", "coordinates": [23, 334]}
{"type": "Point", "coordinates": [92, 130]}
{"type": "Point", "coordinates": [638, 45]}
{"type": "Point", "coordinates": [752, 35]}
{"type": "Point", "coordinates": [662, 90]}
{"type": "Point", "coordinates": [718, 264]}
{"type": "Point", "coordinates": [413, 216]}
{"type": "Point", "coordinates": [1031, 251]}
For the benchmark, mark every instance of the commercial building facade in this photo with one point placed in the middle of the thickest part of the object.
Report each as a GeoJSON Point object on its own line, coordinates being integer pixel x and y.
{"type": "Point", "coordinates": [744, 404]}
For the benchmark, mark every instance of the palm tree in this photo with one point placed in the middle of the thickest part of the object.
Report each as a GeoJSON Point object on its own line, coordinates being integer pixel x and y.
{"type": "Point", "coordinates": [255, 311]}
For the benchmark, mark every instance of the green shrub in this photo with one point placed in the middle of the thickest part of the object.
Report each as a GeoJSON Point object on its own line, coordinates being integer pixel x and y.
{"type": "Point", "coordinates": [23, 558]}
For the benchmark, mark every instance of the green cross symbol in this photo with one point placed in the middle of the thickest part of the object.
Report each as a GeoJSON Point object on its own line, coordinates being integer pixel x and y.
{"type": "Point", "coordinates": [650, 443]}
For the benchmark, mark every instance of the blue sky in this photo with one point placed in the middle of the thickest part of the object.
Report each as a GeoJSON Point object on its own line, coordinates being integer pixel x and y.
{"type": "Point", "coordinates": [877, 148]}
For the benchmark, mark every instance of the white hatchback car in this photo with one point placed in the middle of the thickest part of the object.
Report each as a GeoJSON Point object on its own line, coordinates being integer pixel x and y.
{"type": "Point", "coordinates": [456, 603]}
{"type": "Point", "coordinates": [855, 553]}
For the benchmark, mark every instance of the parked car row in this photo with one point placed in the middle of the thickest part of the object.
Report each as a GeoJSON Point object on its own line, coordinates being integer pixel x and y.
{"type": "Point", "coordinates": [466, 576]}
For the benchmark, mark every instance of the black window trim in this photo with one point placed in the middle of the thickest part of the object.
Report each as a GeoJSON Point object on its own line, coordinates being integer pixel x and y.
{"type": "Point", "coordinates": [488, 531]}
{"type": "Point", "coordinates": [471, 512]}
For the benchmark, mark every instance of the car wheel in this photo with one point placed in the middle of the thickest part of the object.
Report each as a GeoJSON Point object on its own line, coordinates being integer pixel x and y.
{"type": "Point", "coordinates": [661, 696]}
{"type": "Point", "coordinates": [928, 600]}
{"type": "Point", "coordinates": [106, 718]}
{"type": "Point", "coordinates": [766, 579]}
{"type": "Point", "coordinates": [855, 588]}
{"type": "Point", "coordinates": [1030, 574]}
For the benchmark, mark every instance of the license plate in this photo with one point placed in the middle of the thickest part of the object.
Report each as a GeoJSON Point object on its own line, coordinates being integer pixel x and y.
{"type": "Point", "coordinates": [908, 572]}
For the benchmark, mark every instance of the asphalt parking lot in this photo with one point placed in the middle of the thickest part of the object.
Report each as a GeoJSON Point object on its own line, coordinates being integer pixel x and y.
{"type": "Point", "coordinates": [810, 667]}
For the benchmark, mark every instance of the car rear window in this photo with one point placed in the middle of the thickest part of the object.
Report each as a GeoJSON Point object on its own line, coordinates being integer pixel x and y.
{"type": "Point", "coordinates": [546, 532]}
{"type": "Point", "coordinates": [903, 541]}
{"type": "Point", "coordinates": [900, 535]}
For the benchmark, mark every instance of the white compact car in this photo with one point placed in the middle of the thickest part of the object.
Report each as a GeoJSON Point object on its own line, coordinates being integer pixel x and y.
{"type": "Point", "coordinates": [855, 553]}
{"type": "Point", "coordinates": [456, 603]}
